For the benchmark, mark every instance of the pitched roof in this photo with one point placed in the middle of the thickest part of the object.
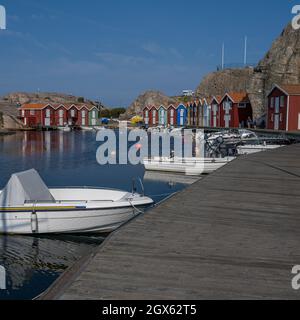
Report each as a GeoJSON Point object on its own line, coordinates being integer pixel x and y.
{"type": "Point", "coordinates": [216, 98]}
{"type": "Point", "coordinates": [291, 89]}
{"type": "Point", "coordinates": [40, 106]}
{"type": "Point", "coordinates": [237, 97]}
{"type": "Point", "coordinates": [34, 106]}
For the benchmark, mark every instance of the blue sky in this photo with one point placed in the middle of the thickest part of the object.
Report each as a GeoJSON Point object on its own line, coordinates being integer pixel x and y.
{"type": "Point", "coordinates": [114, 50]}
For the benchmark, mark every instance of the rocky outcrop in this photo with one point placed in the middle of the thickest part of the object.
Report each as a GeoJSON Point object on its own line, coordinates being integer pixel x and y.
{"type": "Point", "coordinates": [10, 103]}
{"type": "Point", "coordinates": [148, 98]}
{"type": "Point", "coordinates": [281, 65]}
{"type": "Point", "coordinates": [217, 83]}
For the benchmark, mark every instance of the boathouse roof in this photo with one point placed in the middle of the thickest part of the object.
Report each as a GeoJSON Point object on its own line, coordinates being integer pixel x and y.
{"type": "Point", "coordinates": [288, 89]}
{"type": "Point", "coordinates": [237, 97]}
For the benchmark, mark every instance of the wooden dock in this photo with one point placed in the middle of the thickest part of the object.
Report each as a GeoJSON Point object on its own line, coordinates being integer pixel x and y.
{"type": "Point", "coordinates": [233, 235]}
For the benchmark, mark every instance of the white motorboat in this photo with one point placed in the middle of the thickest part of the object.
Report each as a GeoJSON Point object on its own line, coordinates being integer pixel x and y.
{"type": "Point", "coordinates": [226, 135]}
{"type": "Point", "coordinates": [98, 128]}
{"type": "Point", "coordinates": [86, 128]}
{"type": "Point", "coordinates": [188, 166]}
{"type": "Point", "coordinates": [27, 206]}
{"type": "Point", "coordinates": [65, 129]}
{"type": "Point", "coordinates": [255, 148]}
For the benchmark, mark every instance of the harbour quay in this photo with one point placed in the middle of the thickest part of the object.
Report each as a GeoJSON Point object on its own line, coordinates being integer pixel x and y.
{"type": "Point", "coordinates": [232, 235]}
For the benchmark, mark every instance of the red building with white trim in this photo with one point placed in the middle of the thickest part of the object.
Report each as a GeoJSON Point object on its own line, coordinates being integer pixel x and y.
{"type": "Point", "coordinates": [235, 110]}
{"type": "Point", "coordinates": [146, 115]}
{"type": "Point", "coordinates": [56, 115]}
{"type": "Point", "coordinates": [172, 115]}
{"type": "Point", "coordinates": [153, 116]}
{"type": "Point", "coordinates": [284, 108]}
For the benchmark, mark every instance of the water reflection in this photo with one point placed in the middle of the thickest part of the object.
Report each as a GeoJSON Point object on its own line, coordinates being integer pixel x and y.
{"type": "Point", "coordinates": [62, 159]}
{"type": "Point", "coordinates": [32, 264]}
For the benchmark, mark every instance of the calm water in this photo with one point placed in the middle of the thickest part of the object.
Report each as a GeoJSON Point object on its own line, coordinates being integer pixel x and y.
{"type": "Point", "coordinates": [62, 159]}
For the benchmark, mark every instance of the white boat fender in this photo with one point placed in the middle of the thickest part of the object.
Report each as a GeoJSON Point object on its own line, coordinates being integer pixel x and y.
{"type": "Point", "coordinates": [34, 222]}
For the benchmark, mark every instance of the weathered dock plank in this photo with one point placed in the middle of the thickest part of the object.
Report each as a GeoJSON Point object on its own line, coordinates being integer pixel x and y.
{"type": "Point", "coordinates": [233, 235]}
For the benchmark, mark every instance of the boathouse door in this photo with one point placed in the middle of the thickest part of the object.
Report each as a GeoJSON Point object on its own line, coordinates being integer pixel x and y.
{"type": "Point", "coordinates": [61, 117]}
{"type": "Point", "coordinates": [172, 117]}
{"type": "Point", "coordinates": [181, 117]}
{"type": "Point", "coordinates": [277, 113]}
{"type": "Point", "coordinates": [215, 114]}
{"type": "Point", "coordinates": [146, 117]}
{"type": "Point", "coordinates": [154, 117]}
{"type": "Point", "coordinates": [227, 117]}
{"type": "Point", "coordinates": [83, 113]}
{"type": "Point", "coordinates": [47, 118]}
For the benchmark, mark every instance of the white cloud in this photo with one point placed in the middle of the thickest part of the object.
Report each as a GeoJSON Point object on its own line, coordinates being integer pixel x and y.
{"type": "Point", "coordinates": [122, 59]}
{"type": "Point", "coordinates": [157, 50]}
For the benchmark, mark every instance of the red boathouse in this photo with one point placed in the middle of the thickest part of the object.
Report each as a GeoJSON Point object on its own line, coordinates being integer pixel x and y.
{"type": "Point", "coordinates": [235, 110]}
{"type": "Point", "coordinates": [284, 108]}
{"type": "Point", "coordinates": [172, 117]}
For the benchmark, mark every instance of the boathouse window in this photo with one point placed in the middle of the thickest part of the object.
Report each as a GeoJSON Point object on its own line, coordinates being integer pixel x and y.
{"type": "Point", "coordinates": [83, 113]}
{"type": "Point", "coordinates": [172, 113]}
{"type": "Point", "coordinates": [61, 113]}
{"type": "Point", "coordinates": [23, 113]}
{"type": "Point", "coordinates": [32, 112]}
{"type": "Point", "coordinates": [48, 113]}
{"type": "Point", "coordinates": [147, 114]}
{"type": "Point", "coordinates": [94, 114]}
{"type": "Point", "coordinates": [73, 113]}
{"type": "Point", "coordinates": [227, 105]}
{"type": "Point", "coordinates": [282, 101]}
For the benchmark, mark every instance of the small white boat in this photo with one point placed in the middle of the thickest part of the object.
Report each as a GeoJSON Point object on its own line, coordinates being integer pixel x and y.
{"type": "Point", "coordinates": [188, 166]}
{"type": "Point", "coordinates": [86, 128]}
{"type": "Point", "coordinates": [255, 148]}
{"type": "Point", "coordinates": [65, 129]}
{"type": "Point", "coordinates": [98, 128]}
{"type": "Point", "coordinates": [27, 206]}
{"type": "Point", "coordinates": [226, 135]}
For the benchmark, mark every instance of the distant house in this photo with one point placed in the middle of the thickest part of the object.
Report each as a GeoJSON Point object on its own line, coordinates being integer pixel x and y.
{"type": "Point", "coordinates": [172, 119]}
{"type": "Point", "coordinates": [215, 111]}
{"type": "Point", "coordinates": [284, 108]}
{"type": "Point", "coordinates": [153, 116]}
{"type": "Point", "coordinates": [181, 115]}
{"type": "Point", "coordinates": [206, 112]}
{"type": "Point", "coordinates": [93, 116]}
{"type": "Point", "coordinates": [146, 115]}
{"type": "Point", "coordinates": [187, 93]}
{"type": "Point", "coordinates": [58, 115]}
{"type": "Point", "coordinates": [235, 110]}
{"type": "Point", "coordinates": [194, 121]}
{"type": "Point", "coordinates": [162, 116]}
{"type": "Point", "coordinates": [189, 112]}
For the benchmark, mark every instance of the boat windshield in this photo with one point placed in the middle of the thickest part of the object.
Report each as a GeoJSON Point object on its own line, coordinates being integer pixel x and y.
{"type": "Point", "coordinates": [24, 187]}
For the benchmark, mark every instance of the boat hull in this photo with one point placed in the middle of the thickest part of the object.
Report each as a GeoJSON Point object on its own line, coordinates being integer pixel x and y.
{"type": "Point", "coordinates": [66, 221]}
{"type": "Point", "coordinates": [190, 167]}
{"type": "Point", "coordinates": [244, 150]}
